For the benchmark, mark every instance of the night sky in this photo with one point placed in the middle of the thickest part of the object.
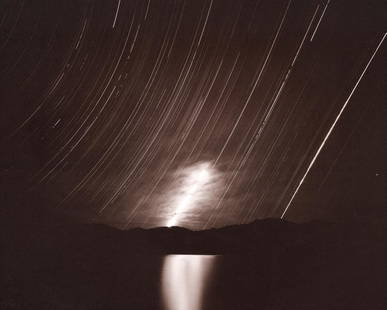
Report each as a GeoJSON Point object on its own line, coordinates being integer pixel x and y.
{"type": "Point", "coordinates": [203, 113]}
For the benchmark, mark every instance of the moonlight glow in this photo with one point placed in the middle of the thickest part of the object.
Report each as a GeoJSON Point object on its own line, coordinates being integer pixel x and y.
{"type": "Point", "coordinates": [194, 184]}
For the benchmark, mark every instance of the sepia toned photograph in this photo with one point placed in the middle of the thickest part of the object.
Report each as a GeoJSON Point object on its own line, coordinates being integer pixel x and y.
{"type": "Point", "coordinates": [193, 155]}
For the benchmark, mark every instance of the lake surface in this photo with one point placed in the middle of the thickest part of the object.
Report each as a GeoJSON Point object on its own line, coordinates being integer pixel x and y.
{"type": "Point", "coordinates": [260, 280]}
{"type": "Point", "coordinates": [176, 282]}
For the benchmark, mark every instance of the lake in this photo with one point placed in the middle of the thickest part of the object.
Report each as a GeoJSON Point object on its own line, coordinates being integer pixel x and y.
{"type": "Point", "coordinates": [177, 282]}
{"type": "Point", "coordinates": [261, 280]}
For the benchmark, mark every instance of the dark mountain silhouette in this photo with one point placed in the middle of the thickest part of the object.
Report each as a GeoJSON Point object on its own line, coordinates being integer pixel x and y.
{"type": "Point", "coordinates": [52, 263]}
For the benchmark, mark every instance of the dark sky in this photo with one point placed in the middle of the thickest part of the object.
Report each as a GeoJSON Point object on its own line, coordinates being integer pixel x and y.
{"type": "Point", "coordinates": [134, 113]}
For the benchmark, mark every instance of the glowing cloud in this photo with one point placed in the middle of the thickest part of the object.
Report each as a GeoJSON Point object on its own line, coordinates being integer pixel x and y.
{"type": "Point", "coordinates": [193, 186]}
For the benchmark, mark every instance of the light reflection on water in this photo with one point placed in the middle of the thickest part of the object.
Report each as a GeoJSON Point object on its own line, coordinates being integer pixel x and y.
{"type": "Point", "coordinates": [184, 279]}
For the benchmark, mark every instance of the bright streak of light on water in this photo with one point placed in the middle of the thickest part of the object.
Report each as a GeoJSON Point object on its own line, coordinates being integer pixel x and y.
{"type": "Point", "coordinates": [184, 279]}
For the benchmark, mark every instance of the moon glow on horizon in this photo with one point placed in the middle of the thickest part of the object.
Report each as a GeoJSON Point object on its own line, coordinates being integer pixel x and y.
{"type": "Point", "coordinates": [193, 189]}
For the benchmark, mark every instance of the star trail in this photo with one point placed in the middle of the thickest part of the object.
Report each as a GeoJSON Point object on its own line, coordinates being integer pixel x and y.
{"type": "Point", "coordinates": [194, 113]}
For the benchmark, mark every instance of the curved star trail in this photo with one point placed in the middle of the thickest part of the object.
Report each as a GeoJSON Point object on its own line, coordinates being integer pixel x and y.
{"type": "Point", "coordinates": [108, 107]}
